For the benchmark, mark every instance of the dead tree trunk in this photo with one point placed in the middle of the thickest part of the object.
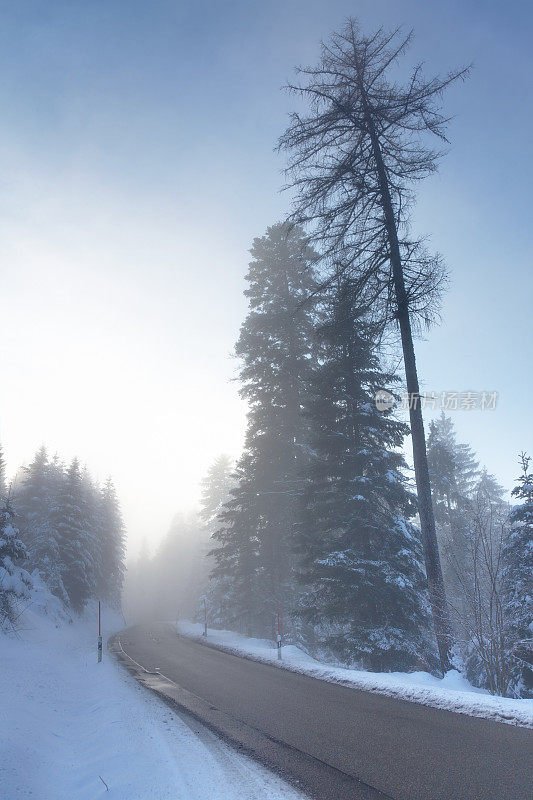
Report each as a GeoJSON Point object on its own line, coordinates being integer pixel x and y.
{"type": "Point", "coordinates": [436, 588]}
{"type": "Point", "coordinates": [355, 157]}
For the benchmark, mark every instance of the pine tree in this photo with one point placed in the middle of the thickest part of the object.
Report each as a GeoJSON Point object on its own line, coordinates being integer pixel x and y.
{"type": "Point", "coordinates": [35, 499]}
{"type": "Point", "coordinates": [77, 545]}
{"type": "Point", "coordinates": [362, 557]}
{"type": "Point", "coordinates": [452, 466]}
{"type": "Point", "coordinates": [454, 474]}
{"type": "Point", "coordinates": [110, 544]}
{"type": "Point", "coordinates": [488, 487]}
{"type": "Point", "coordinates": [15, 581]}
{"type": "Point", "coordinates": [90, 503]}
{"type": "Point", "coordinates": [518, 581]}
{"type": "Point", "coordinates": [256, 543]}
{"type": "Point", "coordinates": [237, 564]}
{"type": "Point", "coordinates": [72, 529]}
{"type": "Point", "coordinates": [3, 485]}
{"type": "Point", "coordinates": [216, 488]}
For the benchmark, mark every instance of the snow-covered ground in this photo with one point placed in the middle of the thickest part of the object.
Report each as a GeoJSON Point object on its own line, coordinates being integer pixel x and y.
{"type": "Point", "coordinates": [70, 726]}
{"type": "Point", "coordinates": [453, 692]}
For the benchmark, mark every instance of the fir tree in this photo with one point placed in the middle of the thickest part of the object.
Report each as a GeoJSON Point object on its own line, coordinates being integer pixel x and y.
{"type": "Point", "coordinates": [454, 475]}
{"type": "Point", "coordinates": [35, 499]}
{"type": "Point", "coordinates": [216, 488]}
{"type": "Point", "coordinates": [453, 469]}
{"type": "Point", "coordinates": [77, 545]}
{"type": "Point", "coordinates": [111, 544]}
{"type": "Point", "coordinates": [93, 523]}
{"type": "Point", "coordinates": [15, 581]}
{"type": "Point", "coordinates": [518, 581]}
{"type": "Point", "coordinates": [237, 563]}
{"type": "Point", "coordinates": [256, 544]}
{"type": "Point", "coordinates": [362, 558]}
{"type": "Point", "coordinates": [72, 529]}
{"type": "Point", "coordinates": [3, 485]}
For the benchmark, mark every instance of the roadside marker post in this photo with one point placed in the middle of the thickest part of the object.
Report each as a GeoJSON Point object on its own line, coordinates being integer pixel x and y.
{"type": "Point", "coordinates": [99, 634]}
{"type": "Point", "coordinates": [205, 618]}
{"type": "Point", "coordinates": [278, 638]}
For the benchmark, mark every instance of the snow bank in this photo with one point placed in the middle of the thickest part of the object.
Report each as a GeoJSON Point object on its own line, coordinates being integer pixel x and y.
{"type": "Point", "coordinates": [452, 693]}
{"type": "Point", "coordinates": [72, 727]}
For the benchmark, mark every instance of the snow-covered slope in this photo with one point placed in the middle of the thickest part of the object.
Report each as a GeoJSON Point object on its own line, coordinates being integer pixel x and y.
{"type": "Point", "coordinates": [453, 692]}
{"type": "Point", "coordinates": [73, 729]}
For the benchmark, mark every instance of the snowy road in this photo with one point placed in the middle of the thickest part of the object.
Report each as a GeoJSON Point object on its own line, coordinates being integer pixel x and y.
{"type": "Point", "coordinates": [337, 737]}
{"type": "Point", "coordinates": [73, 729]}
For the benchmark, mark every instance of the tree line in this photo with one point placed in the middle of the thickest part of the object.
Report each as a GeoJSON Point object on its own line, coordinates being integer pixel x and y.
{"type": "Point", "coordinates": [57, 520]}
{"type": "Point", "coordinates": [322, 514]}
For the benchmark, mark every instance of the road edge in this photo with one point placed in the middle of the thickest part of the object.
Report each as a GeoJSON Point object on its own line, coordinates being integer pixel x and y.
{"type": "Point", "coordinates": [306, 773]}
{"type": "Point", "coordinates": [496, 717]}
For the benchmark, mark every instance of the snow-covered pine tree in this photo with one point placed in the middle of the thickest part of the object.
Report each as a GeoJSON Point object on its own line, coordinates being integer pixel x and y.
{"type": "Point", "coordinates": [111, 544]}
{"type": "Point", "coordinates": [487, 486]}
{"type": "Point", "coordinates": [216, 487]}
{"type": "Point", "coordinates": [362, 558]}
{"type": "Point", "coordinates": [76, 538]}
{"type": "Point", "coordinates": [256, 543]}
{"type": "Point", "coordinates": [454, 474]}
{"type": "Point", "coordinates": [72, 529]}
{"type": "Point", "coordinates": [453, 469]}
{"type": "Point", "coordinates": [236, 556]}
{"type": "Point", "coordinates": [35, 499]}
{"type": "Point", "coordinates": [93, 523]}
{"type": "Point", "coordinates": [15, 581]}
{"type": "Point", "coordinates": [3, 484]}
{"type": "Point", "coordinates": [518, 582]}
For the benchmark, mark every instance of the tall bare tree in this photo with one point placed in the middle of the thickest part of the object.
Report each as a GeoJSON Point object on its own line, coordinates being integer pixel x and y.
{"type": "Point", "coordinates": [353, 161]}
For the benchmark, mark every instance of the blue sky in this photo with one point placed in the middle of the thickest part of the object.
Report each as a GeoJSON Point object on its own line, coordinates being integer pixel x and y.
{"type": "Point", "coordinates": [136, 165]}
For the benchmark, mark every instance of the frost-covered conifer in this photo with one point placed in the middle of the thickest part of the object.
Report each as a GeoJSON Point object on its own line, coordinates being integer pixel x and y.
{"type": "Point", "coordinates": [15, 581]}
{"type": "Point", "coordinates": [111, 544]}
{"type": "Point", "coordinates": [3, 486]}
{"type": "Point", "coordinates": [518, 581]}
{"type": "Point", "coordinates": [362, 557]}
{"type": "Point", "coordinates": [255, 545]}
{"type": "Point", "coordinates": [76, 538]}
{"type": "Point", "coordinates": [35, 499]}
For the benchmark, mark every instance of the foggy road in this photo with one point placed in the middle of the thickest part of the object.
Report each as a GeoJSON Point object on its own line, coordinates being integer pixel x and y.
{"type": "Point", "coordinates": [338, 742]}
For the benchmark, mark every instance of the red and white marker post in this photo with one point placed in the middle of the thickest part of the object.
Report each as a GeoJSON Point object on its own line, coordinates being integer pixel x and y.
{"type": "Point", "coordinates": [99, 634]}
{"type": "Point", "coordinates": [278, 638]}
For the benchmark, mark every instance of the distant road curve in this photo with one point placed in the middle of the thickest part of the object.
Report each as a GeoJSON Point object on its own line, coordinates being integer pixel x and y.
{"type": "Point", "coordinates": [335, 742]}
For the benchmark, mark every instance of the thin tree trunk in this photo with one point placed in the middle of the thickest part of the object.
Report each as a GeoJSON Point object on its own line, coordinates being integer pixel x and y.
{"type": "Point", "coordinates": [437, 592]}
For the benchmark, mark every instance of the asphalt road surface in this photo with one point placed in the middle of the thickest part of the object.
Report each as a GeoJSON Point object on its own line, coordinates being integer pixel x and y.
{"type": "Point", "coordinates": [343, 742]}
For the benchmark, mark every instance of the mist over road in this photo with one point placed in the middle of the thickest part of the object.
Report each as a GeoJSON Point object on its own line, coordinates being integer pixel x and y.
{"type": "Point", "coordinates": [340, 742]}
